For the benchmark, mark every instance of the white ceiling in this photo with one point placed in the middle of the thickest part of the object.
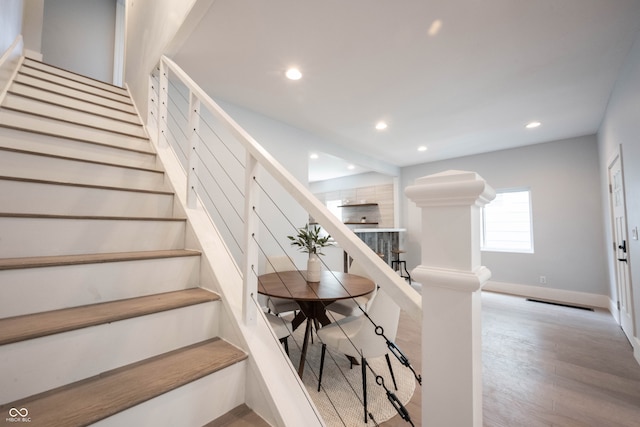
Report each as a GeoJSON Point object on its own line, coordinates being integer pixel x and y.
{"type": "Point", "coordinates": [494, 66]}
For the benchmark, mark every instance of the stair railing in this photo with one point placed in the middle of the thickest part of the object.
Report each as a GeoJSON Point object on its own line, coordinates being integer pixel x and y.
{"type": "Point", "coordinates": [243, 188]}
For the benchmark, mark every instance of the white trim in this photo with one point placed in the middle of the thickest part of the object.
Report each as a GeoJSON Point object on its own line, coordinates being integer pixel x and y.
{"type": "Point", "coordinates": [551, 294]}
{"type": "Point", "coordinates": [636, 349]}
{"type": "Point", "coordinates": [14, 51]}
{"type": "Point", "coordinates": [119, 43]}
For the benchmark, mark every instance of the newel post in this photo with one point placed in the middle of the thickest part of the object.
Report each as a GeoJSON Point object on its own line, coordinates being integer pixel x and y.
{"type": "Point", "coordinates": [451, 278]}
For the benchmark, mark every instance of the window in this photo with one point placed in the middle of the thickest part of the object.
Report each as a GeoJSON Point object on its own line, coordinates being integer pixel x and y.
{"type": "Point", "coordinates": [506, 222]}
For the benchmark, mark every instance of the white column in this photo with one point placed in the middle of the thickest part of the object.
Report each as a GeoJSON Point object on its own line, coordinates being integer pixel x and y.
{"type": "Point", "coordinates": [451, 278]}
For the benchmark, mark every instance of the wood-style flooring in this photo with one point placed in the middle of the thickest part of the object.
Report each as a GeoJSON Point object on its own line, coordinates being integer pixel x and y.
{"type": "Point", "coordinates": [546, 365]}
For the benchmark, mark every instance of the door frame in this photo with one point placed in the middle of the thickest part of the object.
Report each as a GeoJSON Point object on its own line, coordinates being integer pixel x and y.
{"type": "Point", "coordinates": [617, 155]}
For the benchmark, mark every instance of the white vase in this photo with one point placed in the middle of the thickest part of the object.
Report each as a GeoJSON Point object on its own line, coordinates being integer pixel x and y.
{"type": "Point", "coordinates": [313, 268]}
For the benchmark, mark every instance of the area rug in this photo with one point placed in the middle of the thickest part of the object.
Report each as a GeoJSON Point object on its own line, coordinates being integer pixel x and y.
{"type": "Point", "coordinates": [340, 399]}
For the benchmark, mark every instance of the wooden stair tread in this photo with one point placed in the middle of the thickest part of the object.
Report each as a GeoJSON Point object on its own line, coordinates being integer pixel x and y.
{"type": "Point", "coordinates": [99, 397]}
{"type": "Point", "coordinates": [61, 260]}
{"type": "Point", "coordinates": [240, 416]}
{"type": "Point", "coordinates": [19, 328]}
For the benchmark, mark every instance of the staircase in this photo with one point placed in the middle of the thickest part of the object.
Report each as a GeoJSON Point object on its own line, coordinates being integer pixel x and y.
{"type": "Point", "coordinates": [102, 315]}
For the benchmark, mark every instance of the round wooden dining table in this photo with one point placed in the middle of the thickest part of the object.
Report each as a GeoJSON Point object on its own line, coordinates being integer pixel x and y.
{"type": "Point", "coordinates": [313, 297]}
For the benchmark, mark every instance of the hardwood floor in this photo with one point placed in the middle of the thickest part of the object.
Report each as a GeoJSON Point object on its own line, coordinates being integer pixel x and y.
{"type": "Point", "coordinates": [546, 365]}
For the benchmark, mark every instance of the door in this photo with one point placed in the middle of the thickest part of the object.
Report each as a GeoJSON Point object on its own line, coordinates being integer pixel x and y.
{"type": "Point", "coordinates": [621, 246]}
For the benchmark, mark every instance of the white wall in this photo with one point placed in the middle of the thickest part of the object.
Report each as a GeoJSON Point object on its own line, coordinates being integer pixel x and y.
{"type": "Point", "coordinates": [79, 35]}
{"type": "Point", "coordinates": [32, 27]}
{"type": "Point", "coordinates": [289, 146]}
{"type": "Point", "coordinates": [352, 181]}
{"type": "Point", "coordinates": [10, 23]}
{"type": "Point", "coordinates": [150, 27]}
{"type": "Point", "coordinates": [10, 45]}
{"type": "Point", "coordinates": [621, 127]}
{"type": "Point", "coordinates": [567, 217]}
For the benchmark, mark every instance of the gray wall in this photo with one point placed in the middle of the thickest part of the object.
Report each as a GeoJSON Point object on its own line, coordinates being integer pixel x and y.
{"type": "Point", "coordinates": [567, 216]}
{"type": "Point", "coordinates": [10, 22]}
{"type": "Point", "coordinates": [79, 35]}
{"type": "Point", "coordinates": [621, 127]}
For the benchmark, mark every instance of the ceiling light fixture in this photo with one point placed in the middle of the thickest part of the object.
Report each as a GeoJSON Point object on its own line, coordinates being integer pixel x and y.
{"type": "Point", "coordinates": [313, 156]}
{"type": "Point", "coordinates": [435, 27]}
{"type": "Point", "coordinates": [351, 167]}
{"type": "Point", "coordinates": [293, 74]}
{"type": "Point", "coordinates": [381, 125]}
{"type": "Point", "coordinates": [533, 125]}
{"type": "Point", "coordinates": [422, 148]}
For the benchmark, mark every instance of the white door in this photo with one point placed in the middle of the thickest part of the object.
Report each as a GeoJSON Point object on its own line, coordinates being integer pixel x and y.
{"type": "Point", "coordinates": [621, 246]}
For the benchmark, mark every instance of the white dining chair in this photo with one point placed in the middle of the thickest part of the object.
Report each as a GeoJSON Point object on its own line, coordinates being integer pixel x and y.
{"type": "Point", "coordinates": [355, 337]}
{"type": "Point", "coordinates": [278, 306]}
{"type": "Point", "coordinates": [353, 306]}
{"type": "Point", "coordinates": [282, 329]}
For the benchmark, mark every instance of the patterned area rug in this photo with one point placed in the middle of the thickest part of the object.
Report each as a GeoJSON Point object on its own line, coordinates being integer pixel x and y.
{"type": "Point", "coordinates": [340, 399]}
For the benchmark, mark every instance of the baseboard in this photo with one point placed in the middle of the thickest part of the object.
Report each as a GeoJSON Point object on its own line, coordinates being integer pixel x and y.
{"type": "Point", "coordinates": [551, 294]}
{"type": "Point", "coordinates": [636, 349]}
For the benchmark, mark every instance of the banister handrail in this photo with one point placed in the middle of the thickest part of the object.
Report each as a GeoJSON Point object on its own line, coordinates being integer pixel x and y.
{"type": "Point", "coordinates": [405, 296]}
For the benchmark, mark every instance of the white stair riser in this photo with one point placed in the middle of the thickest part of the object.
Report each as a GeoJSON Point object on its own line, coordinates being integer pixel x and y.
{"type": "Point", "coordinates": [28, 80]}
{"type": "Point", "coordinates": [58, 99]}
{"type": "Point", "coordinates": [11, 138]}
{"type": "Point", "coordinates": [44, 363]}
{"type": "Point", "coordinates": [34, 290]}
{"type": "Point", "coordinates": [39, 198]}
{"type": "Point", "coordinates": [23, 165]}
{"type": "Point", "coordinates": [67, 83]}
{"type": "Point", "coordinates": [26, 122]}
{"type": "Point", "coordinates": [29, 237]}
{"type": "Point", "coordinates": [77, 117]}
{"type": "Point", "coordinates": [192, 405]}
{"type": "Point", "coordinates": [72, 76]}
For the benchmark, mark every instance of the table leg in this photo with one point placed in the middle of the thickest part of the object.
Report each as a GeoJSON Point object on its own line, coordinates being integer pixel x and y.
{"type": "Point", "coordinates": [305, 344]}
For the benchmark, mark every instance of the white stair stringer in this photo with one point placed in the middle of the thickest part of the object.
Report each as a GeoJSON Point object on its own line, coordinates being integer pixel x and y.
{"type": "Point", "coordinates": [82, 353]}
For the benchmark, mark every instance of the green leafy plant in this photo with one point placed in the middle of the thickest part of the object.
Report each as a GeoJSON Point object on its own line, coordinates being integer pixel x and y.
{"type": "Point", "coordinates": [308, 240]}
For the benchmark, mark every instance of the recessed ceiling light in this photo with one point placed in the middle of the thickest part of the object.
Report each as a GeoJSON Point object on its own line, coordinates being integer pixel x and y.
{"type": "Point", "coordinates": [351, 167]}
{"type": "Point", "coordinates": [313, 156]}
{"type": "Point", "coordinates": [381, 125]}
{"type": "Point", "coordinates": [435, 27]}
{"type": "Point", "coordinates": [293, 74]}
{"type": "Point", "coordinates": [533, 125]}
{"type": "Point", "coordinates": [422, 148]}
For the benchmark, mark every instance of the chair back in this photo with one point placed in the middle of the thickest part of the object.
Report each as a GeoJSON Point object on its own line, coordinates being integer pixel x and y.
{"type": "Point", "coordinates": [357, 269]}
{"type": "Point", "coordinates": [385, 313]}
{"type": "Point", "coordinates": [279, 263]}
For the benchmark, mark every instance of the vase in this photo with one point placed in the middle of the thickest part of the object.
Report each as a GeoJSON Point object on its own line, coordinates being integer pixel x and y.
{"type": "Point", "coordinates": [313, 268]}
